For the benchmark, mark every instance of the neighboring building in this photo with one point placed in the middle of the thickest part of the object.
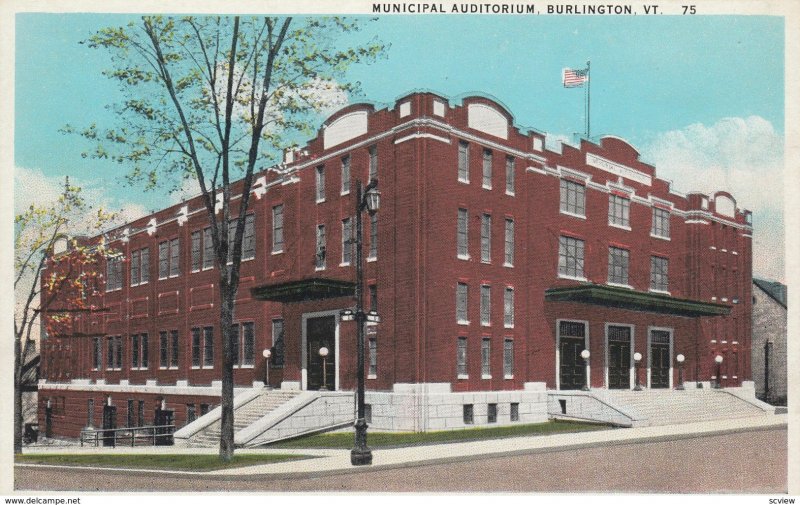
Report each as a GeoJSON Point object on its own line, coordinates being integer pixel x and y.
{"type": "Point", "coordinates": [493, 262]}
{"type": "Point", "coordinates": [769, 341]}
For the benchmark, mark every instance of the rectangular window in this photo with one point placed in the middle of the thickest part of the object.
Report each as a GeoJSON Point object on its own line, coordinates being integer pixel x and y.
{"type": "Point", "coordinates": [135, 351]}
{"type": "Point", "coordinates": [163, 260]}
{"type": "Point", "coordinates": [320, 183]}
{"type": "Point", "coordinates": [486, 305]}
{"type": "Point", "coordinates": [145, 268]}
{"type": "Point", "coordinates": [129, 415]}
{"type": "Point", "coordinates": [114, 273]}
{"type": "Point", "coordinates": [509, 240]}
{"type": "Point", "coordinates": [173, 361]}
{"type": "Point", "coordinates": [659, 273]}
{"type": "Point", "coordinates": [462, 234]}
{"type": "Point", "coordinates": [135, 262]}
{"type": "Point", "coordinates": [508, 307]}
{"type": "Point", "coordinates": [118, 352]}
{"type": "Point", "coordinates": [486, 238]}
{"type": "Point", "coordinates": [145, 344]}
{"type": "Point", "coordinates": [208, 249]}
{"type": "Point", "coordinates": [373, 237]}
{"type": "Point", "coordinates": [463, 162]}
{"type": "Point", "coordinates": [469, 413]}
{"type": "Point", "coordinates": [491, 413]}
{"type": "Point", "coordinates": [486, 356]}
{"type": "Point", "coordinates": [277, 228]}
{"type": "Point", "coordinates": [461, 358]}
{"type": "Point", "coordinates": [345, 175]}
{"type": "Point", "coordinates": [373, 357]}
{"type": "Point", "coordinates": [570, 257]}
{"type": "Point", "coordinates": [573, 198]}
{"type": "Point", "coordinates": [373, 297]}
{"type": "Point", "coordinates": [249, 237]}
{"type": "Point", "coordinates": [660, 223]}
{"type": "Point", "coordinates": [347, 245]}
{"type": "Point", "coordinates": [97, 353]}
{"type": "Point", "coordinates": [277, 343]}
{"type": "Point", "coordinates": [163, 339]}
{"type": "Point", "coordinates": [203, 409]}
{"type": "Point", "coordinates": [208, 346]}
{"type": "Point", "coordinates": [191, 414]}
{"type": "Point", "coordinates": [197, 240]}
{"type": "Point", "coordinates": [196, 347]}
{"type": "Point", "coordinates": [90, 412]}
{"type": "Point", "coordinates": [487, 169]}
{"type": "Point", "coordinates": [174, 258]}
{"type": "Point", "coordinates": [619, 211]}
{"type": "Point", "coordinates": [140, 416]}
{"type": "Point", "coordinates": [618, 265]}
{"type": "Point", "coordinates": [508, 358]}
{"type": "Point", "coordinates": [373, 163]}
{"type": "Point", "coordinates": [248, 344]}
{"type": "Point", "coordinates": [461, 303]}
{"type": "Point", "coordinates": [235, 348]}
{"type": "Point", "coordinates": [320, 259]}
{"type": "Point", "coordinates": [510, 175]}
{"type": "Point", "coordinates": [514, 412]}
{"type": "Point", "coordinates": [109, 353]}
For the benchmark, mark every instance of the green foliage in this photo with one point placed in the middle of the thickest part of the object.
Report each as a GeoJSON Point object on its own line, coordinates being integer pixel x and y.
{"type": "Point", "coordinates": [387, 439]}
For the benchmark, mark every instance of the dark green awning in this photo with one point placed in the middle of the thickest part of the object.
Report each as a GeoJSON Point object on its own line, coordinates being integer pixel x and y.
{"type": "Point", "coordinates": [610, 296]}
{"type": "Point", "coordinates": [303, 290]}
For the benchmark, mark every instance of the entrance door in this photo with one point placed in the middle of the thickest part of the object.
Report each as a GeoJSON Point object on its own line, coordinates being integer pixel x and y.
{"type": "Point", "coordinates": [321, 332]}
{"type": "Point", "coordinates": [572, 367]}
{"type": "Point", "coordinates": [659, 359]}
{"type": "Point", "coordinates": [109, 423]}
{"type": "Point", "coordinates": [619, 357]}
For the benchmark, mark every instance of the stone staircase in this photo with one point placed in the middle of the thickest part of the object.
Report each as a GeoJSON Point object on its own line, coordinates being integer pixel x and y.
{"type": "Point", "coordinates": [244, 416]}
{"type": "Point", "coordinates": [655, 407]}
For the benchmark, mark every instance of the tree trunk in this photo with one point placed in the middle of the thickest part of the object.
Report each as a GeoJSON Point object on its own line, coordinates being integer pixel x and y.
{"type": "Point", "coordinates": [226, 422]}
{"type": "Point", "coordinates": [17, 397]}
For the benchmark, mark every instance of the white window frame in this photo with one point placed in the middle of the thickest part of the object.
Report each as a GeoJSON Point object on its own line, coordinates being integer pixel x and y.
{"type": "Point", "coordinates": [509, 243]}
{"type": "Point", "coordinates": [486, 238]}
{"type": "Point", "coordinates": [486, 305]}
{"type": "Point", "coordinates": [566, 188]}
{"type": "Point", "coordinates": [459, 375]}
{"type": "Point", "coordinates": [347, 246]}
{"type": "Point", "coordinates": [319, 188]}
{"type": "Point", "coordinates": [465, 320]}
{"type": "Point", "coordinates": [486, 358]}
{"type": "Point", "coordinates": [462, 229]}
{"type": "Point", "coordinates": [564, 241]}
{"type": "Point", "coordinates": [656, 289]}
{"type": "Point", "coordinates": [612, 279]}
{"type": "Point", "coordinates": [277, 217]}
{"type": "Point", "coordinates": [658, 231]}
{"type": "Point", "coordinates": [487, 169]}
{"type": "Point", "coordinates": [586, 342]}
{"type": "Point", "coordinates": [463, 162]}
{"type": "Point", "coordinates": [508, 308]}
{"type": "Point", "coordinates": [511, 175]}
{"type": "Point", "coordinates": [617, 202]}
{"type": "Point", "coordinates": [506, 374]}
{"type": "Point", "coordinates": [345, 173]}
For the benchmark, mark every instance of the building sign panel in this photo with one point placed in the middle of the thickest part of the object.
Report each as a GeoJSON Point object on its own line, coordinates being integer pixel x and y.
{"type": "Point", "coordinates": [617, 169]}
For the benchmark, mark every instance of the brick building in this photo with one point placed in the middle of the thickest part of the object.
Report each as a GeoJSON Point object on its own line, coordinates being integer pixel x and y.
{"type": "Point", "coordinates": [769, 341]}
{"type": "Point", "coordinates": [493, 262]}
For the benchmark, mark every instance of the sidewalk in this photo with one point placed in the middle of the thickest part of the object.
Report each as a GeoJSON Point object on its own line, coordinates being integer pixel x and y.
{"type": "Point", "coordinates": [338, 460]}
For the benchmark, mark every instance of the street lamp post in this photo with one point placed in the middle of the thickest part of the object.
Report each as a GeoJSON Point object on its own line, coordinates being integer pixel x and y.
{"type": "Point", "coordinates": [266, 353]}
{"type": "Point", "coordinates": [323, 353]}
{"type": "Point", "coordinates": [585, 355]}
{"type": "Point", "coordinates": [637, 359]}
{"type": "Point", "coordinates": [680, 359]}
{"type": "Point", "coordinates": [367, 199]}
{"type": "Point", "coordinates": [718, 361]}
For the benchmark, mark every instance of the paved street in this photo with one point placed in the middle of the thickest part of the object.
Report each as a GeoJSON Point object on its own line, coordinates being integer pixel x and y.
{"type": "Point", "coordinates": [743, 462]}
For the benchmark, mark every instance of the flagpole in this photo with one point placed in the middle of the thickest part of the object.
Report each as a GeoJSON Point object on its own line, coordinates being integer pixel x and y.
{"type": "Point", "coordinates": [588, 98]}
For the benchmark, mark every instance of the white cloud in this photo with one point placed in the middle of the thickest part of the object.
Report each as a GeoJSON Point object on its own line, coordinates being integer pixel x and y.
{"type": "Point", "coordinates": [743, 156]}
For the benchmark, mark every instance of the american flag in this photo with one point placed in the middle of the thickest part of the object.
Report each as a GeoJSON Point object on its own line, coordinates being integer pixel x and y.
{"type": "Point", "coordinates": [575, 78]}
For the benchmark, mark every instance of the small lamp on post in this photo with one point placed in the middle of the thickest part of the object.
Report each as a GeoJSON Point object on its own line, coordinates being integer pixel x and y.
{"type": "Point", "coordinates": [680, 359]}
{"type": "Point", "coordinates": [637, 359]}
{"type": "Point", "coordinates": [323, 353]}
{"type": "Point", "coordinates": [585, 354]}
{"type": "Point", "coordinates": [718, 361]}
{"type": "Point", "coordinates": [266, 353]}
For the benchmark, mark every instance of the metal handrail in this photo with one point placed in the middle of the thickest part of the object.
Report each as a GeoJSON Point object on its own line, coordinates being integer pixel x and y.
{"type": "Point", "coordinates": [95, 435]}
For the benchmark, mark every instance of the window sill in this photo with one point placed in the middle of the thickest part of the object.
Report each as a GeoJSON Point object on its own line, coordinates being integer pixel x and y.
{"type": "Point", "coordinates": [463, 323]}
{"type": "Point", "coordinates": [320, 201]}
{"type": "Point", "coordinates": [280, 251]}
{"type": "Point", "coordinates": [372, 376]}
{"type": "Point", "coordinates": [344, 193]}
{"type": "Point", "coordinates": [619, 285]}
{"type": "Point", "coordinates": [486, 325]}
{"type": "Point", "coordinates": [508, 377]}
{"type": "Point", "coordinates": [194, 367]}
{"type": "Point", "coordinates": [319, 269]}
{"type": "Point", "coordinates": [573, 278]}
{"type": "Point", "coordinates": [508, 326]}
{"type": "Point", "coordinates": [208, 268]}
{"type": "Point", "coordinates": [463, 257]}
{"type": "Point", "coordinates": [486, 187]}
{"type": "Point", "coordinates": [485, 377]}
{"type": "Point", "coordinates": [665, 238]}
{"type": "Point", "coordinates": [372, 259]}
{"type": "Point", "coordinates": [462, 377]}
{"type": "Point", "coordinates": [572, 214]}
{"type": "Point", "coordinates": [510, 193]}
{"type": "Point", "coordinates": [463, 181]}
{"type": "Point", "coordinates": [620, 226]}
{"type": "Point", "coordinates": [245, 366]}
{"type": "Point", "coordinates": [508, 265]}
{"type": "Point", "coordinates": [174, 276]}
{"type": "Point", "coordinates": [660, 292]}
{"type": "Point", "coordinates": [344, 264]}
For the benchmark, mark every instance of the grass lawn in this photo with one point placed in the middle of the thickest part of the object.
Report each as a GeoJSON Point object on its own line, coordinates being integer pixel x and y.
{"type": "Point", "coordinates": [384, 439]}
{"type": "Point", "coordinates": [191, 462]}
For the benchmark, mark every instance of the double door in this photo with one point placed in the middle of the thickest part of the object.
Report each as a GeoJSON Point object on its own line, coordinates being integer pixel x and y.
{"type": "Point", "coordinates": [321, 333]}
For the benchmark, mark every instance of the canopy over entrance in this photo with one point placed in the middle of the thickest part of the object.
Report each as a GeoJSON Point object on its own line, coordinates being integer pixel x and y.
{"type": "Point", "coordinates": [610, 296]}
{"type": "Point", "coordinates": [304, 290]}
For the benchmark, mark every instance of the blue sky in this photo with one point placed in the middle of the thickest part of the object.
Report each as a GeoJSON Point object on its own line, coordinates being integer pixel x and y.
{"type": "Point", "coordinates": [702, 97]}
